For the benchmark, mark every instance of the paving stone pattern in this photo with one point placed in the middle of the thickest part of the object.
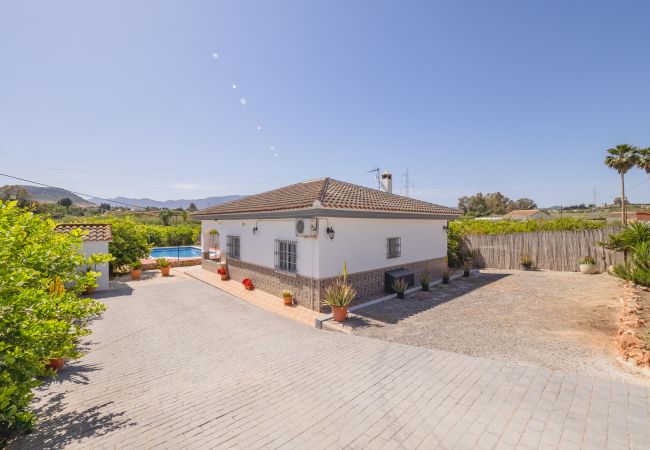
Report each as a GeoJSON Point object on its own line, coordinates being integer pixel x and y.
{"type": "Point", "coordinates": [175, 363]}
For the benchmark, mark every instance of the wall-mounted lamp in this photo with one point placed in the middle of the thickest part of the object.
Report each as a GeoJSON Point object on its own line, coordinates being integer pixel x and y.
{"type": "Point", "coordinates": [255, 229]}
{"type": "Point", "coordinates": [330, 232]}
{"type": "Point", "coordinates": [445, 227]}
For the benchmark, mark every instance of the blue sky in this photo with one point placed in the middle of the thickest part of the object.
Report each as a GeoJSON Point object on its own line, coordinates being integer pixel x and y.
{"type": "Point", "coordinates": [139, 98]}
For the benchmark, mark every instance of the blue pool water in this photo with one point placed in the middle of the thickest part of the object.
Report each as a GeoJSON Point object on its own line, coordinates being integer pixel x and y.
{"type": "Point", "coordinates": [176, 252]}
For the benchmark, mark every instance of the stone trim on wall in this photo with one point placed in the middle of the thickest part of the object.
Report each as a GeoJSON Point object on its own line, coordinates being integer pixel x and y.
{"type": "Point", "coordinates": [309, 291]}
{"type": "Point", "coordinates": [370, 284]}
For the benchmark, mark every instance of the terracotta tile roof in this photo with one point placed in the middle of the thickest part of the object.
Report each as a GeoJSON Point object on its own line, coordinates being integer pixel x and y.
{"type": "Point", "coordinates": [94, 231]}
{"type": "Point", "coordinates": [329, 193]}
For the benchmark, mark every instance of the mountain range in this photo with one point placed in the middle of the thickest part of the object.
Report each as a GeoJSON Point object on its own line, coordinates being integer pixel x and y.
{"type": "Point", "coordinates": [53, 195]}
{"type": "Point", "coordinates": [171, 204]}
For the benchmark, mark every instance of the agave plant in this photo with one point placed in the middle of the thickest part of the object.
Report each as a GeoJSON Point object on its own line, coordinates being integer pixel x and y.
{"type": "Point", "coordinates": [425, 281]}
{"type": "Point", "coordinates": [340, 294]}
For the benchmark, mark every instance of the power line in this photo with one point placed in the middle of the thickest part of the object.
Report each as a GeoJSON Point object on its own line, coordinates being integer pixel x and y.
{"type": "Point", "coordinates": [78, 193]}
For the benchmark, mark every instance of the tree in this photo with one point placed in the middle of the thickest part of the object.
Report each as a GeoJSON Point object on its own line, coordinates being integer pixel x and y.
{"type": "Point", "coordinates": [129, 243]}
{"type": "Point", "coordinates": [497, 203]}
{"type": "Point", "coordinates": [524, 203]}
{"type": "Point", "coordinates": [65, 202]}
{"type": "Point", "coordinates": [42, 315]}
{"type": "Point", "coordinates": [473, 205]}
{"type": "Point", "coordinates": [192, 207]}
{"type": "Point", "coordinates": [165, 216]}
{"type": "Point", "coordinates": [17, 193]}
{"type": "Point", "coordinates": [622, 158]}
{"type": "Point", "coordinates": [643, 159]}
{"type": "Point", "coordinates": [105, 207]}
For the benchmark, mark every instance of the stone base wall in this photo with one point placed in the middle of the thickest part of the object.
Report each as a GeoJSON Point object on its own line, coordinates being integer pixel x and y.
{"type": "Point", "coordinates": [370, 284]}
{"type": "Point", "coordinates": [274, 282]}
{"type": "Point", "coordinates": [150, 264]}
{"type": "Point", "coordinates": [309, 292]}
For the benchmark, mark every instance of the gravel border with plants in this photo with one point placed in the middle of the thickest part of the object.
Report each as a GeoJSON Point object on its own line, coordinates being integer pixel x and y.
{"type": "Point", "coordinates": [559, 320]}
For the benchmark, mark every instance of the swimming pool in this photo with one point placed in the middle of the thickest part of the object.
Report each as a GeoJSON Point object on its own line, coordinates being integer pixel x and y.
{"type": "Point", "coordinates": [184, 251]}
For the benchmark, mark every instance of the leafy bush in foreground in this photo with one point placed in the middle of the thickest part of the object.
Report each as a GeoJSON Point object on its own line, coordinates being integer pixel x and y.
{"type": "Point", "coordinates": [634, 239]}
{"type": "Point", "coordinates": [41, 313]}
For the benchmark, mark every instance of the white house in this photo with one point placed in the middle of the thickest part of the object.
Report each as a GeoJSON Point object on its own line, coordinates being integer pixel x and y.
{"type": "Point", "coordinates": [298, 237]}
{"type": "Point", "coordinates": [94, 241]}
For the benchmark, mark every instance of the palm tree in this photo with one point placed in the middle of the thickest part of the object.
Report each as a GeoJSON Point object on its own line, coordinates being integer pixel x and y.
{"type": "Point", "coordinates": [622, 158]}
{"type": "Point", "coordinates": [643, 161]}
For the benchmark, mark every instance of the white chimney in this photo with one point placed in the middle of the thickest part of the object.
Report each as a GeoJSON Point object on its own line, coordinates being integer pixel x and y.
{"type": "Point", "coordinates": [386, 182]}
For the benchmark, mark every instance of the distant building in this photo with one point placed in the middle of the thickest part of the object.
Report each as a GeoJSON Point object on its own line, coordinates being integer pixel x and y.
{"type": "Point", "coordinates": [94, 241]}
{"type": "Point", "coordinates": [632, 216]}
{"type": "Point", "coordinates": [526, 214]}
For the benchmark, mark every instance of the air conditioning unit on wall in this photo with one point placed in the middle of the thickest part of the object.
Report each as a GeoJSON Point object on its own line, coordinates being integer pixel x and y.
{"type": "Point", "coordinates": [307, 227]}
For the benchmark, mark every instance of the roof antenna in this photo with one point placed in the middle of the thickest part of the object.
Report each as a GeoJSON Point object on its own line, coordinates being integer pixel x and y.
{"type": "Point", "coordinates": [377, 176]}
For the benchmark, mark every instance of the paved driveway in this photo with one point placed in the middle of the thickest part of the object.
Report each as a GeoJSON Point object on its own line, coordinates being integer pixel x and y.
{"type": "Point", "coordinates": [177, 363]}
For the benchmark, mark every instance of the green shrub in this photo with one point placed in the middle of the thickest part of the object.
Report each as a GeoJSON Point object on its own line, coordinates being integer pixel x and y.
{"type": "Point", "coordinates": [40, 319]}
{"type": "Point", "coordinates": [129, 244]}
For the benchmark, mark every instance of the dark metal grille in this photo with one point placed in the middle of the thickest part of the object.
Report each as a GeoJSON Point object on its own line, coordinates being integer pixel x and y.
{"type": "Point", "coordinates": [286, 255]}
{"type": "Point", "coordinates": [232, 247]}
{"type": "Point", "coordinates": [394, 247]}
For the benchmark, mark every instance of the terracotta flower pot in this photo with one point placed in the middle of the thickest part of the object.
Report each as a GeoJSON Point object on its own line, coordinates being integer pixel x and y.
{"type": "Point", "coordinates": [135, 274]}
{"type": "Point", "coordinates": [56, 364]}
{"type": "Point", "coordinates": [339, 313]}
{"type": "Point", "coordinates": [288, 301]}
{"type": "Point", "coordinates": [89, 290]}
{"type": "Point", "coordinates": [165, 271]}
{"type": "Point", "coordinates": [589, 269]}
{"type": "Point", "coordinates": [224, 277]}
{"type": "Point", "coordinates": [249, 288]}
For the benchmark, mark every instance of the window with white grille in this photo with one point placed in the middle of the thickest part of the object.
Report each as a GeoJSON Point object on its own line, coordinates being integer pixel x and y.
{"type": "Point", "coordinates": [286, 255]}
{"type": "Point", "coordinates": [232, 247]}
{"type": "Point", "coordinates": [394, 247]}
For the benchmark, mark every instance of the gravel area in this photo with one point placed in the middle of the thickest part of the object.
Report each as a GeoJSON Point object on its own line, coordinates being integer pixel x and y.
{"type": "Point", "coordinates": [559, 320]}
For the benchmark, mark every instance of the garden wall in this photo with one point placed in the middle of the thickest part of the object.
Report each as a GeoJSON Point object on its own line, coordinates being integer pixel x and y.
{"type": "Point", "coordinates": [551, 250]}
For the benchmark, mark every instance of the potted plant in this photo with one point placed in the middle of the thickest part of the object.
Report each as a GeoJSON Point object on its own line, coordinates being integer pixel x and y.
{"type": "Point", "coordinates": [287, 296]}
{"type": "Point", "coordinates": [526, 262]}
{"type": "Point", "coordinates": [223, 272]}
{"type": "Point", "coordinates": [55, 364]}
{"type": "Point", "coordinates": [588, 265]}
{"type": "Point", "coordinates": [248, 284]}
{"type": "Point", "coordinates": [90, 281]}
{"type": "Point", "coordinates": [400, 286]}
{"type": "Point", "coordinates": [425, 281]}
{"type": "Point", "coordinates": [445, 275]}
{"type": "Point", "coordinates": [467, 266]}
{"type": "Point", "coordinates": [164, 266]}
{"type": "Point", "coordinates": [136, 270]}
{"type": "Point", "coordinates": [339, 295]}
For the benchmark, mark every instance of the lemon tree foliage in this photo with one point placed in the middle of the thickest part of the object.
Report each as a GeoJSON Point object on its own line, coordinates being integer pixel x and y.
{"type": "Point", "coordinates": [458, 229]}
{"type": "Point", "coordinates": [42, 314]}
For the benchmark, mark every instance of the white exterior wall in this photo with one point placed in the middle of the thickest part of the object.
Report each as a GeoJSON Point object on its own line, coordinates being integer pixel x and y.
{"type": "Point", "coordinates": [98, 247]}
{"type": "Point", "coordinates": [359, 242]}
{"type": "Point", "coordinates": [259, 248]}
